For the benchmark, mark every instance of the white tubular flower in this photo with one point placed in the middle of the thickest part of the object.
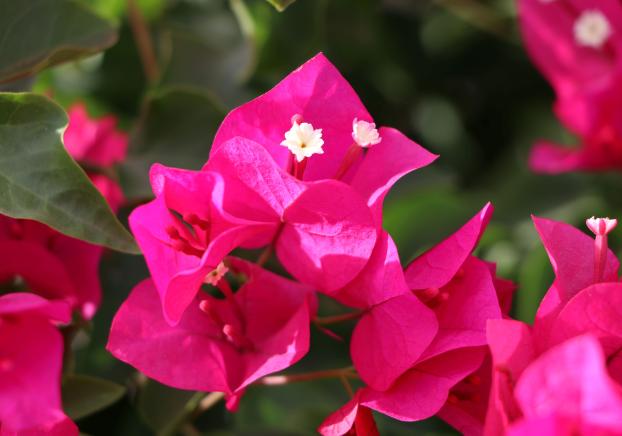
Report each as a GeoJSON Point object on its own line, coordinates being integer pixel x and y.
{"type": "Point", "coordinates": [592, 29]}
{"type": "Point", "coordinates": [303, 140]}
{"type": "Point", "coordinates": [365, 134]}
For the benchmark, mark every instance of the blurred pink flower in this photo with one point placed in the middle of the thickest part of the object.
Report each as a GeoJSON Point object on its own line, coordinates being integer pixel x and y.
{"type": "Point", "coordinates": [50, 264]}
{"type": "Point", "coordinates": [565, 390]}
{"type": "Point", "coordinates": [97, 143]}
{"type": "Point", "coordinates": [218, 345]}
{"type": "Point", "coordinates": [31, 355]}
{"type": "Point", "coordinates": [577, 46]}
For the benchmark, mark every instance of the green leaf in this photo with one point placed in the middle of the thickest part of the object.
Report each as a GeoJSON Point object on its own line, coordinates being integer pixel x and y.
{"type": "Point", "coordinates": [280, 5]}
{"type": "Point", "coordinates": [36, 34]}
{"type": "Point", "coordinates": [162, 407]}
{"type": "Point", "coordinates": [176, 129]}
{"type": "Point", "coordinates": [40, 181]}
{"type": "Point", "coordinates": [212, 46]}
{"type": "Point", "coordinates": [84, 395]}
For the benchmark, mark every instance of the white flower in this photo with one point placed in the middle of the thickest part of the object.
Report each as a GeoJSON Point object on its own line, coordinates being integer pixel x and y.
{"type": "Point", "coordinates": [364, 133]}
{"type": "Point", "coordinates": [303, 140]}
{"type": "Point", "coordinates": [601, 226]}
{"type": "Point", "coordinates": [592, 29]}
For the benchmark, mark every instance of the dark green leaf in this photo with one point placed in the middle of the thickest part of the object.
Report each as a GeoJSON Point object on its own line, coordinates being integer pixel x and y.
{"type": "Point", "coordinates": [163, 407]}
{"type": "Point", "coordinates": [211, 45]}
{"type": "Point", "coordinates": [36, 34]}
{"type": "Point", "coordinates": [280, 5]}
{"type": "Point", "coordinates": [40, 181]}
{"type": "Point", "coordinates": [84, 395]}
{"type": "Point", "coordinates": [176, 129]}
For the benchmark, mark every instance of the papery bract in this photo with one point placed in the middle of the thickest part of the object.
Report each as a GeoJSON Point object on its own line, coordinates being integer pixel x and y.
{"type": "Point", "coordinates": [218, 345]}
{"type": "Point", "coordinates": [31, 354]}
{"type": "Point", "coordinates": [322, 231]}
{"type": "Point", "coordinates": [569, 384]}
{"type": "Point", "coordinates": [578, 48]}
{"type": "Point", "coordinates": [409, 376]}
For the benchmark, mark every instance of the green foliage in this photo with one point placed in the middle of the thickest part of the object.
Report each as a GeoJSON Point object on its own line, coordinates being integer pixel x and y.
{"type": "Point", "coordinates": [84, 395]}
{"type": "Point", "coordinates": [280, 5]}
{"type": "Point", "coordinates": [176, 128]}
{"type": "Point", "coordinates": [36, 34]}
{"type": "Point", "coordinates": [40, 181]}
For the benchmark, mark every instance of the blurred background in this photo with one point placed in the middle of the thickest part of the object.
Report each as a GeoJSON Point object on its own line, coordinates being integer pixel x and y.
{"type": "Point", "coordinates": [451, 74]}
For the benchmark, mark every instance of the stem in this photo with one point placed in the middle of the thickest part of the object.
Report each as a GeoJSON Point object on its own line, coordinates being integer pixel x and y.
{"type": "Point", "coordinates": [278, 380]}
{"type": "Point", "coordinates": [328, 320]}
{"type": "Point", "coordinates": [143, 41]}
{"type": "Point", "coordinates": [265, 255]}
{"type": "Point", "coordinates": [478, 15]}
{"type": "Point", "coordinates": [347, 386]}
{"type": "Point", "coordinates": [600, 257]}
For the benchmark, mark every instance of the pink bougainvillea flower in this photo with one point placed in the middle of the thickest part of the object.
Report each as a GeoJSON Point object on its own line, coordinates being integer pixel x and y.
{"type": "Point", "coordinates": [96, 142]}
{"type": "Point", "coordinates": [409, 376]}
{"type": "Point", "coordinates": [578, 48]}
{"type": "Point", "coordinates": [315, 127]}
{"type": "Point", "coordinates": [352, 419]}
{"type": "Point", "coordinates": [578, 261]}
{"type": "Point", "coordinates": [31, 354]}
{"type": "Point", "coordinates": [569, 389]}
{"type": "Point", "coordinates": [218, 345]}
{"type": "Point", "coordinates": [322, 231]}
{"type": "Point", "coordinates": [50, 264]}
{"type": "Point", "coordinates": [317, 95]}
{"type": "Point", "coordinates": [99, 144]}
{"type": "Point", "coordinates": [184, 233]}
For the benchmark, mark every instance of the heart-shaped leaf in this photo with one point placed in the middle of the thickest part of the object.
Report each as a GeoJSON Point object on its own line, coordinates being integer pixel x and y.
{"type": "Point", "coordinates": [40, 181]}
{"type": "Point", "coordinates": [36, 34]}
{"type": "Point", "coordinates": [84, 395]}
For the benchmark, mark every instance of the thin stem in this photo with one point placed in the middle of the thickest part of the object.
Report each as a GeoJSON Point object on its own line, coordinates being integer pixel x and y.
{"type": "Point", "coordinates": [328, 320]}
{"type": "Point", "coordinates": [478, 15]}
{"type": "Point", "coordinates": [347, 386]}
{"type": "Point", "coordinates": [265, 255]}
{"type": "Point", "coordinates": [278, 380]}
{"type": "Point", "coordinates": [143, 40]}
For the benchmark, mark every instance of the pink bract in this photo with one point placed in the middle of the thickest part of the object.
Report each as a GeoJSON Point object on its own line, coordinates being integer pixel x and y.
{"type": "Point", "coordinates": [217, 345]}
{"type": "Point", "coordinates": [409, 376]}
{"type": "Point", "coordinates": [569, 388]}
{"type": "Point", "coordinates": [95, 142]}
{"type": "Point", "coordinates": [51, 264]}
{"type": "Point", "coordinates": [31, 352]}
{"type": "Point", "coordinates": [585, 76]}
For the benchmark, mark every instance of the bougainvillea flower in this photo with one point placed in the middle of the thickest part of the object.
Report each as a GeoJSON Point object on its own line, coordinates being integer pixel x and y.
{"type": "Point", "coordinates": [409, 376]}
{"type": "Point", "coordinates": [352, 419]}
{"type": "Point", "coordinates": [50, 264]}
{"type": "Point", "coordinates": [322, 231]}
{"type": "Point", "coordinates": [577, 47]}
{"type": "Point", "coordinates": [219, 344]}
{"type": "Point", "coordinates": [318, 95]}
{"type": "Point", "coordinates": [31, 354]}
{"type": "Point", "coordinates": [97, 143]}
{"type": "Point", "coordinates": [569, 389]}
{"type": "Point", "coordinates": [572, 254]}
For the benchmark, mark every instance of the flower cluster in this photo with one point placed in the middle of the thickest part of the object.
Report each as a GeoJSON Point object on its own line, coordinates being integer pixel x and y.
{"type": "Point", "coordinates": [301, 172]}
{"type": "Point", "coordinates": [576, 46]}
{"type": "Point", "coordinates": [562, 375]}
{"type": "Point", "coordinates": [44, 278]}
